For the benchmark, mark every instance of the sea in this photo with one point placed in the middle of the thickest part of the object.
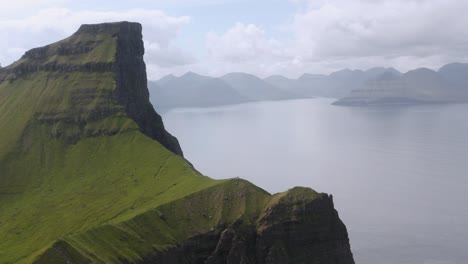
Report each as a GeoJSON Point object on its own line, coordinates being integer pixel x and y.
{"type": "Point", "coordinates": [398, 174]}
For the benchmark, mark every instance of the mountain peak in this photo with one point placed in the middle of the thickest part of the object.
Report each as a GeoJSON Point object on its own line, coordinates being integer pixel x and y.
{"type": "Point", "coordinates": [421, 72]}
{"type": "Point", "coordinates": [104, 63]}
{"type": "Point", "coordinates": [114, 27]}
{"type": "Point", "coordinates": [190, 74]}
{"type": "Point", "coordinates": [456, 73]}
{"type": "Point", "coordinates": [347, 73]}
{"type": "Point", "coordinates": [92, 43]}
{"type": "Point", "coordinates": [454, 65]}
{"type": "Point", "coordinates": [388, 75]}
{"type": "Point", "coordinates": [166, 79]}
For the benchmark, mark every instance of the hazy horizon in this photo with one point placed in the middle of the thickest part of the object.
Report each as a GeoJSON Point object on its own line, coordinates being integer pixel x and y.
{"type": "Point", "coordinates": [304, 73]}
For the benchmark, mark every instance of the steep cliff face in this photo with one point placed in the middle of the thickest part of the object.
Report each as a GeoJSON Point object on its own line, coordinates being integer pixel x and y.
{"type": "Point", "coordinates": [88, 174]}
{"type": "Point", "coordinates": [131, 82]}
{"type": "Point", "coordinates": [301, 226]}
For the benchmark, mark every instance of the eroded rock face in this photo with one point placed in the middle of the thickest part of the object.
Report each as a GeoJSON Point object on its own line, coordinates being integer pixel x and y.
{"type": "Point", "coordinates": [294, 229]}
{"type": "Point", "coordinates": [132, 91]}
{"type": "Point", "coordinates": [303, 231]}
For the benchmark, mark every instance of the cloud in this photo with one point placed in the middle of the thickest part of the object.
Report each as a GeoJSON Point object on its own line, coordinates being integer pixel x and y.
{"type": "Point", "coordinates": [192, 3]}
{"type": "Point", "coordinates": [393, 32]}
{"type": "Point", "coordinates": [376, 28]}
{"type": "Point", "coordinates": [167, 56]}
{"type": "Point", "coordinates": [327, 35]}
{"type": "Point", "coordinates": [246, 47]}
{"type": "Point", "coordinates": [244, 43]}
{"type": "Point", "coordinates": [53, 24]}
{"type": "Point", "coordinates": [11, 7]}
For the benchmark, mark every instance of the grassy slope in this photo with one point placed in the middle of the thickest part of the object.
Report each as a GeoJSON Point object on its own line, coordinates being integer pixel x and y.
{"type": "Point", "coordinates": [103, 51]}
{"type": "Point", "coordinates": [88, 184]}
{"type": "Point", "coordinates": [50, 188]}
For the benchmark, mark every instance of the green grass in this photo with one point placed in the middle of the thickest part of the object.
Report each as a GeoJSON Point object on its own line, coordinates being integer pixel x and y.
{"type": "Point", "coordinates": [103, 51]}
{"type": "Point", "coordinates": [43, 95]}
{"type": "Point", "coordinates": [51, 188]}
{"type": "Point", "coordinates": [68, 189]}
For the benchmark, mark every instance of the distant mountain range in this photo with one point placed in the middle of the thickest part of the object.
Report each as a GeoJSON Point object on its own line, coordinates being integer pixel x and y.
{"type": "Point", "coordinates": [352, 87]}
{"type": "Point", "coordinates": [448, 85]}
{"type": "Point", "coordinates": [193, 90]}
{"type": "Point", "coordinates": [335, 85]}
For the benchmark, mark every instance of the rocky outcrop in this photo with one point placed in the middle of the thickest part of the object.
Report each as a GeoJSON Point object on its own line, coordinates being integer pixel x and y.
{"type": "Point", "coordinates": [298, 226]}
{"type": "Point", "coordinates": [298, 230]}
{"type": "Point", "coordinates": [131, 81]}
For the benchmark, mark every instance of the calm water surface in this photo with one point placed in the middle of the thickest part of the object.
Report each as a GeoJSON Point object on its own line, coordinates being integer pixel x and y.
{"type": "Point", "coordinates": [399, 175]}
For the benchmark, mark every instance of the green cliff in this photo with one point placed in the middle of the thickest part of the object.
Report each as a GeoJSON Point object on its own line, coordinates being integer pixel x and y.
{"type": "Point", "coordinates": [88, 174]}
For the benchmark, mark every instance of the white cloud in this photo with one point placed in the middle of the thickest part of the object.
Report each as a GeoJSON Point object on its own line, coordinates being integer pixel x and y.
{"type": "Point", "coordinates": [331, 34]}
{"type": "Point", "coordinates": [23, 8]}
{"type": "Point", "coordinates": [24, 3]}
{"type": "Point", "coordinates": [53, 24]}
{"type": "Point", "coordinates": [244, 43]}
{"type": "Point", "coordinates": [246, 47]}
{"type": "Point", "coordinates": [10, 7]}
{"type": "Point", "coordinates": [392, 32]}
{"type": "Point", "coordinates": [166, 56]}
{"type": "Point", "coordinates": [369, 28]}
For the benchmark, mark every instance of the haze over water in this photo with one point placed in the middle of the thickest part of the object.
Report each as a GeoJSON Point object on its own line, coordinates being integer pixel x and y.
{"type": "Point", "coordinates": [398, 174]}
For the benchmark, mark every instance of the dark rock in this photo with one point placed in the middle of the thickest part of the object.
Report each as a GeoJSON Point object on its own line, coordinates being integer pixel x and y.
{"type": "Point", "coordinates": [302, 231]}
{"type": "Point", "coordinates": [295, 230]}
{"type": "Point", "coordinates": [132, 91]}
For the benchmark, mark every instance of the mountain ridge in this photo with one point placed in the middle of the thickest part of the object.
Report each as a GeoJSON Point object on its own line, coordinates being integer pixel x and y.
{"type": "Point", "coordinates": [253, 89]}
{"type": "Point", "coordinates": [90, 175]}
{"type": "Point", "coordinates": [419, 86]}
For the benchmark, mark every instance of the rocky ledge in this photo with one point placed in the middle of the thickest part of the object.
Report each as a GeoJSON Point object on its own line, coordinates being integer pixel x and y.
{"type": "Point", "coordinates": [297, 226]}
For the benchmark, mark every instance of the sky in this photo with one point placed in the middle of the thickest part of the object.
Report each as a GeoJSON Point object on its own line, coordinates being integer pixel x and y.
{"type": "Point", "coordinates": [262, 37]}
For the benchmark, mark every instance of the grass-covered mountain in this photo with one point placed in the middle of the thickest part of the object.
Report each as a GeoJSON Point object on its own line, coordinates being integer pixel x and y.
{"type": "Point", "coordinates": [448, 85]}
{"type": "Point", "coordinates": [88, 174]}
